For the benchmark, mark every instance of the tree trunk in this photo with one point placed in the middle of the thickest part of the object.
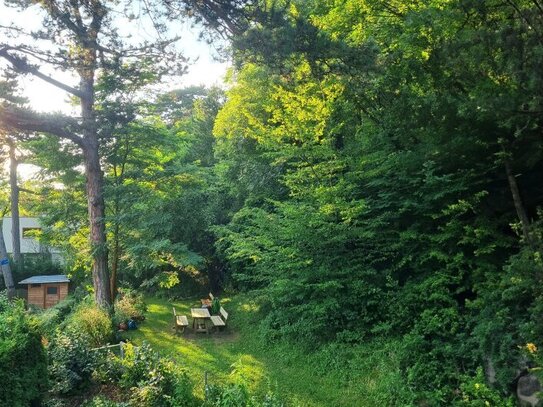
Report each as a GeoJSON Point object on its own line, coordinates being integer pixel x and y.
{"type": "Point", "coordinates": [14, 189]}
{"type": "Point", "coordinates": [96, 208]}
{"type": "Point", "coordinates": [4, 263]}
{"type": "Point", "coordinates": [95, 187]}
{"type": "Point", "coordinates": [519, 206]}
{"type": "Point", "coordinates": [119, 177]}
{"type": "Point", "coordinates": [115, 262]}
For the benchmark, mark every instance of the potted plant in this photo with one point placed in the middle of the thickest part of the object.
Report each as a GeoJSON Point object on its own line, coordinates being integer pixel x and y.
{"type": "Point", "coordinates": [215, 306]}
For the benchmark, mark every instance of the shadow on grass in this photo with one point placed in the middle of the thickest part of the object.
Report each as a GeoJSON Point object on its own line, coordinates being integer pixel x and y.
{"type": "Point", "coordinates": [231, 354]}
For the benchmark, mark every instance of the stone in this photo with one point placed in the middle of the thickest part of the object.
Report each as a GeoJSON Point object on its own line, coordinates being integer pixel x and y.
{"type": "Point", "coordinates": [528, 387]}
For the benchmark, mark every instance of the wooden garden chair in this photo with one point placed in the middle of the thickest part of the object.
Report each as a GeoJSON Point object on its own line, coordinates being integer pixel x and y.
{"type": "Point", "coordinates": [180, 322]}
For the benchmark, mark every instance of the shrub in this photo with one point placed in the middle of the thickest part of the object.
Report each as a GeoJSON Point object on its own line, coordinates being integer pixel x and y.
{"type": "Point", "coordinates": [129, 304]}
{"type": "Point", "coordinates": [91, 323]}
{"type": "Point", "coordinates": [475, 393]}
{"type": "Point", "coordinates": [103, 402]}
{"type": "Point", "coordinates": [71, 363]}
{"type": "Point", "coordinates": [54, 402]}
{"type": "Point", "coordinates": [51, 318]}
{"type": "Point", "coordinates": [23, 366]}
{"type": "Point", "coordinates": [154, 381]}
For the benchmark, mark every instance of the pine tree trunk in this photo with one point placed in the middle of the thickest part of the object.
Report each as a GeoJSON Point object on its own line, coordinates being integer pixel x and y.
{"type": "Point", "coordinates": [14, 187]}
{"type": "Point", "coordinates": [4, 263]}
{"type": "Point", "coordinates": [95, 188]}
{"type": "Point", "coordinates": [96, 208]}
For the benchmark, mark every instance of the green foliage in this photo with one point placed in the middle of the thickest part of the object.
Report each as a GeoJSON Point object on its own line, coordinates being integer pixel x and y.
{"type": "Point", "coordinates": [374, 172]}
{"type": "Point", "coordinates": [52, 318]}
{"type": "Point", "coordinates": [374, 368]}
{"type": "Point", "coordinates": [71, 363]}
{"type": "Point", "coordinates": [510, 304]}
{"type": "Point", "coordinates": [54, 402]}
{"type": "Point", "coordinates": [101, 401]}
{"type": "Point", "coordinates": [215, 306]}
{"type": "Point", "coordinates": [129, 304]}
{"type": "Point", "coordinates": [92, 323]}
{"type": "Point", "coordinates": [37, 264]}
{"type": "Point", "coordinates": [23, 365]}
{"type": "Point", "coordinates": [153, 380]}
{"type": "Point", "coordinates": [476, 393]}
{"type": "Point", "coordinates": [237, 395]}
{"type": "Point", "coordinates": [384, 206]}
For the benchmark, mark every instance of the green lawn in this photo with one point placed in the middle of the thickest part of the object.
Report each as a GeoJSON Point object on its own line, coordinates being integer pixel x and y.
{"type": "Point", "coordinates": [286, 370]}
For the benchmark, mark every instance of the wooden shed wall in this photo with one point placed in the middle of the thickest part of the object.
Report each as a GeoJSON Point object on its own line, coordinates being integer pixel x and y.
{"type": "Point", "coordinates": [38, 295]}
{"type": "Point", "coordinates": [35, 294]}
{"type": "Point", "coordinates": [63, 291]}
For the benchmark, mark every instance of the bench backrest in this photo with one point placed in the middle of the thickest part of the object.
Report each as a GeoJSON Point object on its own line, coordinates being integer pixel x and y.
{"type": "Point", "coordinates": [224, 313]}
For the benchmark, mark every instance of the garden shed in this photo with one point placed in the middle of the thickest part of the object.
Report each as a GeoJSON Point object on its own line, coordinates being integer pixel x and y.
{"type": "Point", "coordinates": [46, 291]}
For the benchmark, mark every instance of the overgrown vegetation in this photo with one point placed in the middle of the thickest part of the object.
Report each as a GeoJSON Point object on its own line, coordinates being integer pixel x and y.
{"type": "Point", "coordinates": [24, 365]}
{"type": "Point", "coordinates": [370, 178]}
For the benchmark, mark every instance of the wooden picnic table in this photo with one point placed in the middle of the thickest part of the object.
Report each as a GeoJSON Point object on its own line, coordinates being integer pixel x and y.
{"type": "Point", "coordinates": [200, 316]}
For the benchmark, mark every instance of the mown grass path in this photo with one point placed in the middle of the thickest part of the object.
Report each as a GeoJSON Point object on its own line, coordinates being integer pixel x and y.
{"type": "Point", "coordinates": [238, 351]}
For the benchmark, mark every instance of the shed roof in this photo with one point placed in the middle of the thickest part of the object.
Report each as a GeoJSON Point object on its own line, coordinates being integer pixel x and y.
{"type": "Point", "coordinates": [57, 278]}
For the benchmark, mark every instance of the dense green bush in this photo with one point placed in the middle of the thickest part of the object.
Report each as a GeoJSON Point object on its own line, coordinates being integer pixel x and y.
{"type": "Point", "coordinates": [476, 393]}
{"type": "Point", "coordinates": [71, 363]}
{"type": "Point", "coordinates": [129, 304]}
{"type": "Point", "coordinates": [92, 323]}
{"type": "Point", "coordinates": [23, 366]}
{"type": "Point", "coordinates": [153, 380]}
{"type": "Point", "coordinates": [52, 318]}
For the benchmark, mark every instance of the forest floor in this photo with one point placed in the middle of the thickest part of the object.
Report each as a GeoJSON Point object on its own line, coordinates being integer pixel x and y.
{"type": "Point", "coordinates": [286, 370]}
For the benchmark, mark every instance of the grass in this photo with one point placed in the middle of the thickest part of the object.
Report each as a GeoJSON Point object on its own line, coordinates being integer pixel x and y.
{"type": "Point", "coordinates": [238, 351]}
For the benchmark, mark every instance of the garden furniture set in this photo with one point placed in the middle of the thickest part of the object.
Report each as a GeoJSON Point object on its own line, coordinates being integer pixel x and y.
{"type": "Point", "coordinates": [202, 320]}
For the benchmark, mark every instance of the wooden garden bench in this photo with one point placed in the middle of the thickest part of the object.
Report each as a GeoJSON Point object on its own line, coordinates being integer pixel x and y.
{"type": "Point", "coordinates": [219, 321]}
{"type": "Point", "coordinates": [180, 321]}
{"type": "Point", "coordinates": [224, 314]}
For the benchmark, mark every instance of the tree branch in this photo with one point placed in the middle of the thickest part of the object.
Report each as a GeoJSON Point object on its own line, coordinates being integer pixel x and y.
{"type": "Point", "coordinates": [28, 191]}
{"type": "Point", "coordinates": [25, 120]}
{"type": "Point", "coordinates": [21, 65]}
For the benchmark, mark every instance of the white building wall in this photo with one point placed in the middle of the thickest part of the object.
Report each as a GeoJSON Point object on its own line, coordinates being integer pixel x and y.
{"type": "Point", "coordinates": [28, 244]}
